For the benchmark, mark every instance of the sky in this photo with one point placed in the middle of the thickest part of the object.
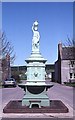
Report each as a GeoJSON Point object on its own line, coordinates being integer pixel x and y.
{"type": "Point", "coordinates": [55, 24]}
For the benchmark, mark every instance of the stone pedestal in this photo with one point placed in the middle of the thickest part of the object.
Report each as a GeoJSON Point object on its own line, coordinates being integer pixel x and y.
{"type": "Point", "coordinates": [35, 87]}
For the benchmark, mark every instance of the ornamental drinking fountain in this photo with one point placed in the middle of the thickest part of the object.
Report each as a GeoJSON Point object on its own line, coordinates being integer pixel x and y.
{"type": "Point", "coordinates": [35, 87]}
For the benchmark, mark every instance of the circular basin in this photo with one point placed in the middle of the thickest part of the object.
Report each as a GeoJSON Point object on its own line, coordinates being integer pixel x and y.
{"type": "Point", "coordinates": [35, 89]}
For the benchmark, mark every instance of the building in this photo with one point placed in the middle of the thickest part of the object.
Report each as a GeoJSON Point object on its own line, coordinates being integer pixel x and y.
{"type": "Point", "coordinates": [65, 65]}
{"type": "Point", "coordinates": [50, 72]}
{"type": "Point", "coordinates": [18, 71]}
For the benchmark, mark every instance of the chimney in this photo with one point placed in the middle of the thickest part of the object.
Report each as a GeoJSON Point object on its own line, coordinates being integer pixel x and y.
{"type": "Point", "coordinates": [60, 50]}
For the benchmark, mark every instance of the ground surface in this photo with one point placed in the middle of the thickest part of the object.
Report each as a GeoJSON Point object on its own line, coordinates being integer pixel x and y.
{"type": "Point", "coordinates": [57, 92]}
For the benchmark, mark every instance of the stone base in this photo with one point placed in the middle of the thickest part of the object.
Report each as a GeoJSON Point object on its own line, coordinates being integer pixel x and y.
{"type": "Point", "coordinates": [16, 107]}
{"type": "Point", "coordinates": [28, 100]}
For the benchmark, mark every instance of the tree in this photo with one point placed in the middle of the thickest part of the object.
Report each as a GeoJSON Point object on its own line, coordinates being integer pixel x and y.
{"type": "Point", "coordinates": [70, 42]}
{"type": "Point", "coordinates": [6, 47]}
{"type": "Point", "coordinates": [7, 56]}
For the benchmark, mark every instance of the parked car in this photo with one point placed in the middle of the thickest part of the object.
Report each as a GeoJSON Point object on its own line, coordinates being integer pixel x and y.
{"type": "Point", "coordinates": [9, 82]}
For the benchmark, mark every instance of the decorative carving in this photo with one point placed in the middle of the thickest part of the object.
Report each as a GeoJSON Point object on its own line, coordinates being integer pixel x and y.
{"type": "Point", "coordinates": [35, 74]}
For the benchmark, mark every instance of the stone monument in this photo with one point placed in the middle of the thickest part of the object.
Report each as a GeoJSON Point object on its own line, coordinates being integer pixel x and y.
{"type": "Point", "coordinates": [35, 87]}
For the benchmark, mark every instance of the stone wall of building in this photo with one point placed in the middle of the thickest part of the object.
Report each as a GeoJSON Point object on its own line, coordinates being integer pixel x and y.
{"type": "Point", "coordinates": [58, 71]}
{"type": "Point", "coordinates": [65, 71]}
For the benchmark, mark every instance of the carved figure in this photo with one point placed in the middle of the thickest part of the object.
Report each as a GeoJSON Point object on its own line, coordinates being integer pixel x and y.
{"type": "Point", "coordinates": [36, 37]}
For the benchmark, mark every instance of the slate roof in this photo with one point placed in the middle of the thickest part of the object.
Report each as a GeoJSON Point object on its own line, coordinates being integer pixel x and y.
{"type": "Point", "coordinates": [68, 53]}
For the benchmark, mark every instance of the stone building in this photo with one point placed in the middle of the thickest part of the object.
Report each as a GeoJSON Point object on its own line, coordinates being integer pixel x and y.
{"type": "Point", "coordinates": [65, 65]}
{"type": "Point", "coordinates": [50, 72]}
{"type": "Point", "coordinates": [19, 71]}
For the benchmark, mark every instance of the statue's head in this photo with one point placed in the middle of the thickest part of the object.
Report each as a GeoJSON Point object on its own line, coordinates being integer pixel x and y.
{"type": "Point", "coordinates": [35, 25]}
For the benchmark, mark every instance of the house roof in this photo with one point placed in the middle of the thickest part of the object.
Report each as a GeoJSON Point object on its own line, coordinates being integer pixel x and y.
{"type": "Point", "coordinates": [68, 53]}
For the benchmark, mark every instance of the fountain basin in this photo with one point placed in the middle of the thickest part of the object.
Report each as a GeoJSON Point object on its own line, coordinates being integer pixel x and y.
{"type": "Point", "coordinates": [35, 88]}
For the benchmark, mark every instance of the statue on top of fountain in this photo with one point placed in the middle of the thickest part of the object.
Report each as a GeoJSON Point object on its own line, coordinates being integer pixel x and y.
{"type": "Point", "coordinates": [36, 37]}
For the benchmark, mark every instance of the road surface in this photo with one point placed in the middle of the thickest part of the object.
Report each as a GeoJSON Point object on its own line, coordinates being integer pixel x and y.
{"type": "Point", "coordinates": [57, 92]}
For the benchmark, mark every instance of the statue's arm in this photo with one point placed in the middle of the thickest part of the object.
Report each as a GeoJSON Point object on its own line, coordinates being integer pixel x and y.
{"type": "Point", "coordinates": [33, 28]}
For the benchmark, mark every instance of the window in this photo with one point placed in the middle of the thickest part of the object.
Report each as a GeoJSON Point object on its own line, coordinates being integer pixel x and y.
{"type": "Point", "coordinates": [72, 63]}
{"type": "Point", "coordinates": [70, 75]}
{"type": "Point", "coordinates": [74, 75]}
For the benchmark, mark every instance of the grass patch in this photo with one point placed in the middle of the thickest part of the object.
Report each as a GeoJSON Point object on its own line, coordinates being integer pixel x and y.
{"type": "Point", "coordinates": [0, 86]}
{"type": "Point", "coordinates": [70, 84]}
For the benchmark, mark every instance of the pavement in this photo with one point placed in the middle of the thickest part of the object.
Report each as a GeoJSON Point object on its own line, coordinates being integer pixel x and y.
{"type": "Point", "coordinates": [53, 93]}
{"type": "Point", "coordinates": [37, 119]}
